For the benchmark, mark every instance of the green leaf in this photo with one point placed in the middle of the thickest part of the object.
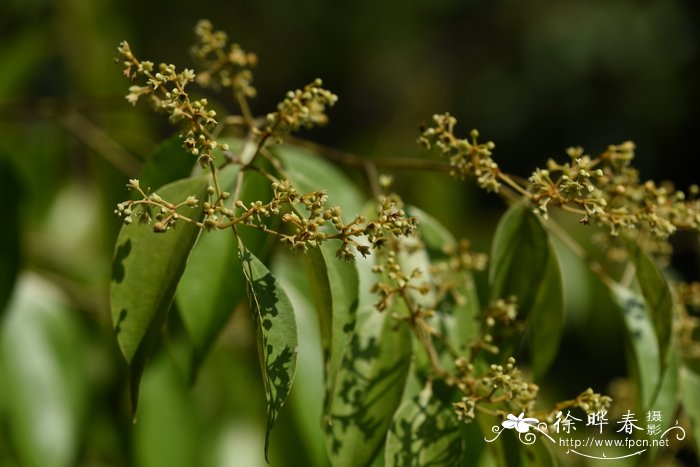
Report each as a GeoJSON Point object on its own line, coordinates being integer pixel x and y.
{"type": "Point", "coordinates": [369, 390]}
{"type": "Point", "coordinates": [521, 244]}
{"type": "Point", "coordinates": [166, 434]}
{"type": "Point", "coordinates": [657, 296]}
{"type": "Point", "coordinates": [424, 432]}
{"type": "Point", "coordinates": [145, 273]}
{"type": "Point", "coordinates": [10, 232]}
{"type": "Point", "coordinates": [168, 162]}
{"type": "Point", "coordinates": [690, 395]}
{"type": "Point", "coordinates": [642, 341]}
{"type": "Point", "coordinates": [307, 394]}
{"type": "Point", "coordinates": [334, 285]}
{"type": "Point", "coordinates": [212, 285]}
{"type": "Point", "coordinates": [277, 334]}
{"type": "Point", "coordinates": [547, 317]}
{"type": "Point", "coordinates": [42, 379]}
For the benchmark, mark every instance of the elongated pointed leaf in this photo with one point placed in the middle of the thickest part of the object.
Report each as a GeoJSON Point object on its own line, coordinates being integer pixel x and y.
{"type": "Point", "coordinates": [277, 334]}
{"type": "Point", "coordinates": [145, 273]}
{"type": "Point", "coordinates": [42, 375]}
{"type": "Point", "coordinates": [547, 317]}
{"type": "Point", "coordinates": [307, 395]}
{"type": "Point", "coordinates": [643, 343]}
{"type": "Point", "coordinates": [424, 432]}
{"type": "Point", "coordinates": [657, 296]}
{"type": "Point", "coordinates": [369, 390]}
{"type": "Point", "coordinates": [212, 285]}
{"type": "Point", "coordinates": [334, 285]}
{"type": "Point", "coordinates": [524, 264]}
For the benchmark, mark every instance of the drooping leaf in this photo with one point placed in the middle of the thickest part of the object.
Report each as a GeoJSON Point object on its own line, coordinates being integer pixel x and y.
{"type": "Point", "coordinates": [307, 394]}
{"type": "Point", "coordinates": [10, 232]}
{"type": "Point", "coordinates": [212, 285]}
{"type": "Point", "coordinates": [547, 317]}
{"type": "Point", "coordinates": [424, 432]}
{"type": "Point", "coordinates": [643, 343]}
{"type": "Point", "coordinates": [168, 162]}
{"type": "Point", "coordinates": [42, 379]}
{"type": "Point", "coordinates": [690, 395]}
{"type": "Point", "coordinates": [145, 273]}
{"type": "Point", "coordinates": [369, 390]}
{"type": "Point", "coordinates": [166, 434]}
{"type": "Point", "coordinates": [277, 334]}
{"type": "Point", "coordinates": [334, 285]}
{"type": "Point", "coordinates": [524, 265]}
{"type": "Point", "coordinates": [657, 296]}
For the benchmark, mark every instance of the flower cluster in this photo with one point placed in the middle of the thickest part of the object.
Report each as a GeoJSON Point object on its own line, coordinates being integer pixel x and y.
{"type": "Point", "coordinates": [467, 158]}
{"type": "Point", "coordinates": [166, 89]}
{"type": "Point", "coordinates": [607, 190]}
{"type": "Point", "coordinates": [588, 401]}
{"type": "Point", "coordinates": [301, 109]}
{"type": "Point", "coordinates": [222, 67]}
{"type": "Point", "coordinates": [497, 384]}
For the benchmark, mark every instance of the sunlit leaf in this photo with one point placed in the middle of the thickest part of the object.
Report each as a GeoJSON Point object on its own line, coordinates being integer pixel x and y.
{"type": "Point", "coordinates": [424, 432]}
{"type": "Point", "coordinates": [43, 382]}
{"type": "Point", "coordinates": [524, 264]}
{"type": "Point", "coordinates": [145, 272]}
{"type": "Point", "coordinates": [369, 390]}
{"type": "Point", "coordinates": [334, 285]}
{"type": "Point", "coordinates": [212, 285]}
{"type": "Point", "coordinates": [642, 340]}
{"type": "Point", "coordinates": [307, 394]}
{"type": "Point", "coordinates": [10, 232]}
{"type": "Point", "coordinates": [657, 296]}
{"type": "Point", "coordinates": [166, 434]}
{"type": "Point", "coordinates": [277, 334]}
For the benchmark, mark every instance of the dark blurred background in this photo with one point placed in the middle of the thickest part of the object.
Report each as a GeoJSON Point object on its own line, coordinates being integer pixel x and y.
{"type": "Point", "coordinates": [535, 77]}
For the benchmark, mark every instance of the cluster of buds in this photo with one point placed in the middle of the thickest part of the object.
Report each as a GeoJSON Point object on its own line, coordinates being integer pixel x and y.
{"type": "Point", "coordinates": [223, 68]}
{"type": "Point", "coordinates": [398, 283]}
{"type": "Point", "coordinates": [166, 214]}
{"type": "Point", "coordinates": [589, 401]}
{"type": "Point", "coordinates": [301, 109]}
{"type": "Point", "coordinates": [467, 158]}
{"type": "Point", "coordinates": [607, 190]}
{"type": "Point", "coordinates": [498, 384]}
{"type": "Point", "coordinates": [167, 93]}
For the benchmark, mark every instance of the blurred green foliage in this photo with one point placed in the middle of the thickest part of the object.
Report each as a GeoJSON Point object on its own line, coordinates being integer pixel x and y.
{"type": "Point", "coordinates": [535, 77]}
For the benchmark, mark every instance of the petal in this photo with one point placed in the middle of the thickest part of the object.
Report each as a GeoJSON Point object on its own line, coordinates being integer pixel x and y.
{"type": "Point", "coordinates": [509, 424]}
{"type": "Point", "coordinates": [522, 427]}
